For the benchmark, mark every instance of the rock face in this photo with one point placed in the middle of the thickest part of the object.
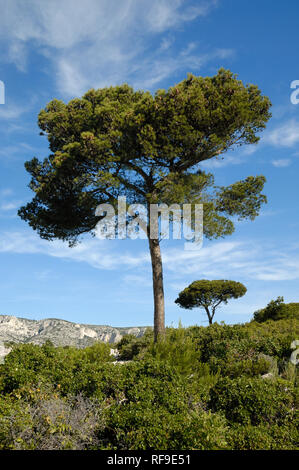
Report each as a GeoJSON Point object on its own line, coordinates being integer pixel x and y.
{"type": "Point", "coordinates": [59, 332]}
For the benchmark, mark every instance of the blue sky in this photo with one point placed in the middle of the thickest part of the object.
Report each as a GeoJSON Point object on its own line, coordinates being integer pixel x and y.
{"type": "Point", "coordinates": [61, 49]}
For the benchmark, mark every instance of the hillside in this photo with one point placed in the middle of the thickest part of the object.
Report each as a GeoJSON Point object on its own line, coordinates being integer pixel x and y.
{"type": "Point", "coordinates": [59, 332]}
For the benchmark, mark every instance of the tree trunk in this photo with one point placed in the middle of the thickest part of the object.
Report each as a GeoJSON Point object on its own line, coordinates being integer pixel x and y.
{"type": "Point", "coordinates": [210, 317]}
{"type": "Point", "coordinates": [159, 312]}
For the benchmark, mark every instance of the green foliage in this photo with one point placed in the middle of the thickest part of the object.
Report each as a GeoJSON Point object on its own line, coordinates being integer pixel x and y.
{"type": "Point", "coordinates": [117, 141]}
{"type": "Point", "coordinates": [209, 295]}
{"type": "Point", "coordinates": [243, 200]}
{"type": "Point", "coordinates": [32, 364]}
{"type": "Point", "coordinates": [247, 367]}
{"type": "Point", "coordinates": [177, 350]}
{"type": "Point", "coordinates": [250, 349]}
{"type": "Point", "coordinates": [200, 388]}
{"type": "Point", "coordinates": [137, 429]}
{"type": "Point", "coordinates": [223, 345]}
{"type": "Point", "coordinates": [130, 346]}
{"type": "Point", "coordinates": [277, 310]}
{"type": "Point", "coordinates": [158, 408]}
{"type": "Point", "coordinates": [254, 401]}
{"type": "Point", "coordinates": [263, 437]}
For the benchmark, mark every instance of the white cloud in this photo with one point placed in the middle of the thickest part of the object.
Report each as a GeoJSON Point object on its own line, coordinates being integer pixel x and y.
{"type": "Point", "coordinates": [94, 252]}
{"type": "Point", "coordinates": [220, 162]}
{"type": "Point", "coordinates": [282, 163]}
{"type": "Point", "coordinates": [11, 205]}
{"type": "Point", "coordinates": [6, 192]}
{"type": "Point", "coordinates": [239, 260]}
{"type": "Point", "coordinates": [12, 111]}
{"type": "Point", "coordinates": [64, 24]}
{"type": "Point", "coordinates": [218, 260]}
{"type": "Point", "coordinates": [14, 151]}
{"type": "Point", "coordinates": [143, 279]}
{"type": "Point", "coordinates": [102, 42]}
{"type": "Point", "coordinates": [284, 135]}
{"type": "Point", "coordinates": [167, 14]}
{"type": "Point", "coordinates": [8, 204]}
{"type": "Point", "coordinates": [18, 55]}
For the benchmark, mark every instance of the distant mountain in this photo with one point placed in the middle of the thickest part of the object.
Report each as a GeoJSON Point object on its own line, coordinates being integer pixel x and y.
{"type": "Point", "coordinates": [60, 332]}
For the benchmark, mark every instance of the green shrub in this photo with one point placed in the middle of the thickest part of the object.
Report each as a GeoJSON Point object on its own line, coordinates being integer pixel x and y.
{"type": "Point", "coordinates": [277, 310]}
{"type": "Point", "coordinates": [67, 367]}
{"type": "Point", "coordinates": [254, 401]}
{"type": "Point", "coordinates": [263, 437]}
{"type": "Point", "coordinates": [156, 407]}
{"type": "Point", "coordinates": [200, 388]}
{"type": "Point", "coordinates": [223, 345]}
{"type": "Point", "coordinates": [136, 427]}
{"type": "Point", "coordinates": [246, 367]}
{"type": "Point", "coordinates": [178, 350]}
{"type": "Point", "coordinates": [130, 346]}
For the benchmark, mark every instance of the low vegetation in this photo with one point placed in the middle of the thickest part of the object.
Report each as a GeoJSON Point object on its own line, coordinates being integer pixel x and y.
{"type": "Point", "coordinates": [215, 387]}
{"type": "Point", "coordinates": [277, 310]}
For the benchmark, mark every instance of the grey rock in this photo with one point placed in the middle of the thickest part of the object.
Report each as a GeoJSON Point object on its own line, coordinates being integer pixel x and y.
{"type": "Point", "coordinates": [59, 332]}
{"type": "Point", "coordinates": [269, 375]}
{"type": "Point", "coordinates": [114, 352]}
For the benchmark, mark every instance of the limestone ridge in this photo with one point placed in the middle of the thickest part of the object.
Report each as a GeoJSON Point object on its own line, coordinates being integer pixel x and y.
{"type": "Point", "coordinates": [59, 332]}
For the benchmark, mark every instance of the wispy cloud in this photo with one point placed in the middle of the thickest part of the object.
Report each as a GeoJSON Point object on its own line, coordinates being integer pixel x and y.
{"type": "Point", "coordinates": [282, 163]}
{"type": "Point", "coordinates": [94, 252]}
{"type": "Point", "coordinates": [7, 202]}
{"type": "Point", "coordinates": [143, 279]}
{"type": "Point", "coordinates": [220, 162]}
{"type": "Point", "coordinates": [225, 259]}
{"type": "Point", "coordinates": [12, 111]}
{"type": "Point", "coordinates": [102, 42]}
{"type": "Point", "coordinates": [6, 192]}
{"type": "Point", "coordinates": [241, 260]}
{"type": "Point", "coordinates": [14, 151]}
{"type": "Point", "coordinates": [284, 135]}
{"type": "Point", "coordinates": [11, 205]}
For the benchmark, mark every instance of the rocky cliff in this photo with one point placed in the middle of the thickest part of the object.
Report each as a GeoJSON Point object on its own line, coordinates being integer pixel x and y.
{"type": "Point", "coordinates": [60, 332]}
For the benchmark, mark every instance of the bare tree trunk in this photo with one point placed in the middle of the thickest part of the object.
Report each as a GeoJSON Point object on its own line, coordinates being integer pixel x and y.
{"type": "Point", "coordinates": [210, 317]}
{"type": "Point", "coordinates": [159, 315]}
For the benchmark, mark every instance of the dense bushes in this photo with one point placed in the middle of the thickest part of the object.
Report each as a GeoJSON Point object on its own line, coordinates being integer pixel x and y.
{"type": "Point", "coordinates": [250, 349]}
{"type": "Point", "coordinates": [261, 413]}
{"type": "Point", "coordinates": [158, 408]}
{"type": "Point", "coordinates": [202, 388]}
{"type": "Point", "coordinates": [130, 346]}
{"type": "Point", "coordinates": [254, 401]}
{"type": "Point", "coordinates": [277, 310]}
{"type": "Point", "coordinates": [74, 370]}
{"type": "Point", "coordinates": [262, 437]}
{"type": "Point", "coordinates": [139, 428]}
